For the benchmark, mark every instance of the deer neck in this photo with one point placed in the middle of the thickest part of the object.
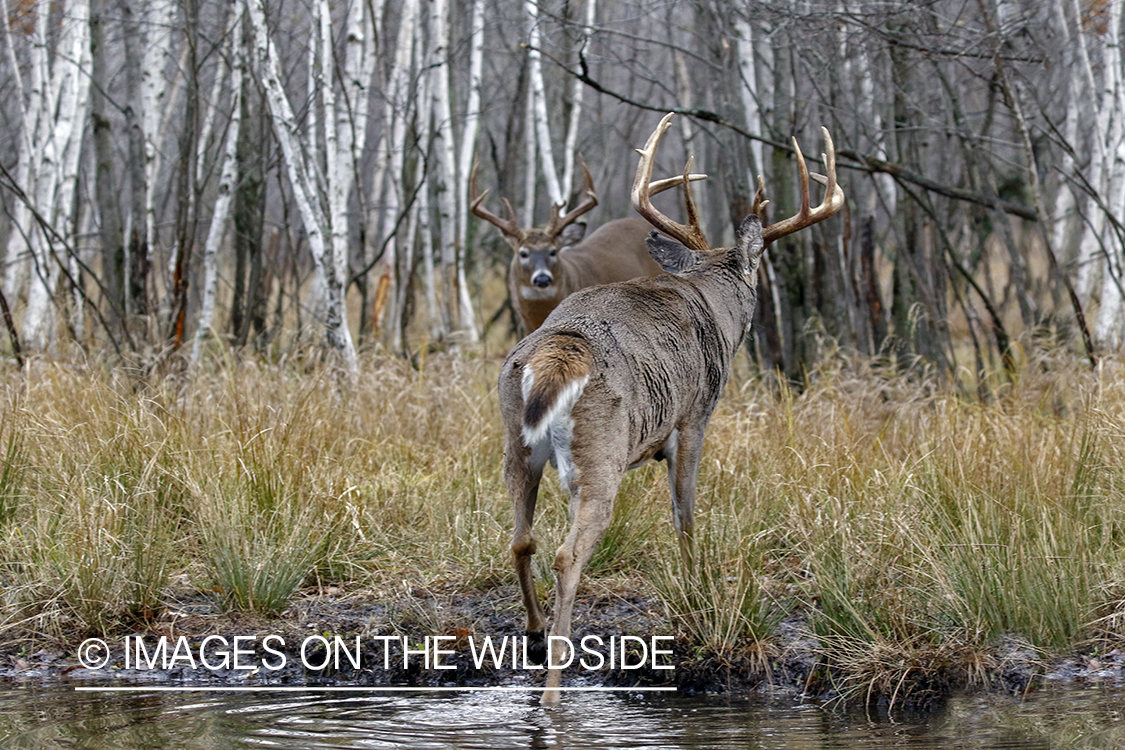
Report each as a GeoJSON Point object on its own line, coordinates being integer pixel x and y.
{"type": "Point", "coordinates": [731, 296]}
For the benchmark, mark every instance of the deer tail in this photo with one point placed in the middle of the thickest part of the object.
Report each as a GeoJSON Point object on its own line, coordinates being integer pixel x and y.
{"type": "Point", "coordinates": [553, 381]}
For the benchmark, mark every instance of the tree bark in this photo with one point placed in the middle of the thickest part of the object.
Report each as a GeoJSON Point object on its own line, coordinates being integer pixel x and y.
{"type": "Point", "coordinates": [227, 178]}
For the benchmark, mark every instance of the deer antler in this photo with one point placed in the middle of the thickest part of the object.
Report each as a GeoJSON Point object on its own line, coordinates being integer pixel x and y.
{"type": "Point", "coordinates": [643, 189]}
{"type": "Point", "coordinates": [833, 196]}
{"type": "Point", "coordinates": [559, 223]}
{"type": "Point", "coordinates": [507, 226]}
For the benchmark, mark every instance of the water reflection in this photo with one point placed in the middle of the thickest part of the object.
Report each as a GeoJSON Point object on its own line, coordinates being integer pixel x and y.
{"type": "Point", "coordinates": [35, 715]}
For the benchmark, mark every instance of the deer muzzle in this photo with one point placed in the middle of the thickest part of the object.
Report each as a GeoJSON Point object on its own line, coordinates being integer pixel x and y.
{"type": "Point", "coordinates": [543, 279]}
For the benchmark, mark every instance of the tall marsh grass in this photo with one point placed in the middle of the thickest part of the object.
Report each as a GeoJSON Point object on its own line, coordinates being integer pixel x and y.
{"type": "Point", "coordinates": [903, 521]}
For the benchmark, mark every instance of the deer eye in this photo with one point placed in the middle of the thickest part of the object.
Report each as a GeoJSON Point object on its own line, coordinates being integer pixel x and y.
{"type": "Point", "coordinates": [523, 253]}
{"type": "Point", "coordinates": [554, 253]}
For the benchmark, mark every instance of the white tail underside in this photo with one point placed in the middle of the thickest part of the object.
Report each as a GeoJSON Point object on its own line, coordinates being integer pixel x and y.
{"type": "Point", "coordinates": [554, 431]}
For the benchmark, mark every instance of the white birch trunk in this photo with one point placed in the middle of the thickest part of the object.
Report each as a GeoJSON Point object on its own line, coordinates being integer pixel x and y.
{"type": "Point", "coordinates": [539, 108]}
{"type": "Point", "coordinates": [749, 88]}
{"type": "Point", "coordinates": [317, 294]}
{"type": "Point", "coordinates": [399, 97]}
{"type": "Point", "coordinates": [468, 147]}
{"type": "Point", "coordinates": [530, 154]}
{"type": "Point", "coordinates": [227, 177]}
{"type": "Point", "coordinates": [885, 190]}
{"type": "Point", "coordinates": [1090, 257]}
{"type": "Point", "coordinates": [77, 298]}
{"type": "Point", "coordinates": [16, 255]}
{"type": "Point", "coordinates": [158, 19]}
{"type": "Point", "coordinates": [446, 173]}
{"type": "Point", "coordinates": [303, 185]}
{"type": "Point", "coordinates": [422, 98]}
{"type": "Point", "coordinates": [1109, 331]}
{"type": "Point", "coordinates": [429, 280]}
{"type": "Point", "coordinates": [576, 104]}
{"type": "Point", "coordinates": [420, 212]}
{"type": "Point", "coordinates": [208, 123]}
{"type": "Point", "coordinates": [339, 171]}
{"type": "Point", "coordinates": [1063, 222]}
{"type": "Point", "coordinates": [66, 93]}
{"type": "Point", "coordinates": [359, 71]}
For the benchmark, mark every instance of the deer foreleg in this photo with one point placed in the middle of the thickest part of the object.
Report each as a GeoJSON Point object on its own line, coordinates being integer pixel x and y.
{"type": "Point", "coordinates": [684, 452]}
{"type": "Point", "coordinates": [591, 512]}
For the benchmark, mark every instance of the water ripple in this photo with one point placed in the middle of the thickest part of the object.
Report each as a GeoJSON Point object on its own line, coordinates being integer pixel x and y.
{"type": "Point", "coordinates": [34, 715]}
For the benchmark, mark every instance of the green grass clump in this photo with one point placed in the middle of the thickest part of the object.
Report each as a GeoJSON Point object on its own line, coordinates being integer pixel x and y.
{"type": "Point", "coordinates": [718, 599]}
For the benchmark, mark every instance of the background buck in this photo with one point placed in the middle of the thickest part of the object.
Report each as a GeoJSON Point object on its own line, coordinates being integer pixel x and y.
{"type": "Point", "coordinates": [629, 372]}
{"type": "Point", "coordinates": [552, 263]}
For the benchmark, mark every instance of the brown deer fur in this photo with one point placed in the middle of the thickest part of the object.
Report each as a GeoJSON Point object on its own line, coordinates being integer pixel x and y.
{"type": "Point", "coordinates": [623, 373]}
{"type": "Point", "coordinates": [614, 252]}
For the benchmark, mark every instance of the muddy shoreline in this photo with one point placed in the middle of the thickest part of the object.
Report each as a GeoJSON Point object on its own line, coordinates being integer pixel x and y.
{"type": "Point", "coordinates": [297, 649]}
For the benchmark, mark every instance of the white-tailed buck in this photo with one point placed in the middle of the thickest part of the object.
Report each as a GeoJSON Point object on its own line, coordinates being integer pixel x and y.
{"type": "Point", "coordinates": [552, 263]}
{"type": "Point", "coordinates": [628, 372]}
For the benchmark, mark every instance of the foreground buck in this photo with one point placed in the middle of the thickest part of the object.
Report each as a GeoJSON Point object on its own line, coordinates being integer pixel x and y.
{"type": "Point", "coordinates": [552, 263]}
{"type": "Point", "coordinates": [628, 372]}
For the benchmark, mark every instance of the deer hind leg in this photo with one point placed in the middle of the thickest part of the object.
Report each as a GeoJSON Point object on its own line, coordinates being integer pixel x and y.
{"type": "Point", "coordinates": [591, 510]}
{"type": "Point", "coordinates": [523, 469]}
{"type": "Point", "coordinates": [684, 451]}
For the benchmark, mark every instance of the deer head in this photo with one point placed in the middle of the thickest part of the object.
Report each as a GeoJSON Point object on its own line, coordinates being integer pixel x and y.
{"type": "Point", "coordinates": [537, 249]}
{"type": "Point", "coordinates": [554, 261]}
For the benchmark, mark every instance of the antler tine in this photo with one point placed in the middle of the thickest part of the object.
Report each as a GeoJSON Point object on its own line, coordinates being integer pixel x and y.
{"type": "Point", "coordinates": [833, 196]}
{"type": "Point", "coordinates": [760, 204]}
{"type": "Point", "coordinates": [803, 179]}
{"type": "Point", "coordinates": [643, 190]}
{"type": "Point", "coordinates": [689, 202]}
{"type": "Point", "coordinates": [476, 198]}
{"type": "Point", "coordinates": [829, 157]}
{"type": "Point", "coordinates": [559, 223]}
{"type": "Point", "coordinates": [659, 186]}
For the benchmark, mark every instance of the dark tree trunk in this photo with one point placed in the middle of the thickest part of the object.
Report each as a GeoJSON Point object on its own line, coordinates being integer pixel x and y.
{"type": "Point", "coordinates": [109, 207]}
{"type": "Point", "coordinates": [254, 144]}
{"type": "Point", "coordinates": [186, 214]}
{"type": "Point", "coordinates": [137, 261]}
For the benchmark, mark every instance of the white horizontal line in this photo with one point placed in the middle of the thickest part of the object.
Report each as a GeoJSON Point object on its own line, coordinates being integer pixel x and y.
{"type": "Point", "coordinates": [355, 689]}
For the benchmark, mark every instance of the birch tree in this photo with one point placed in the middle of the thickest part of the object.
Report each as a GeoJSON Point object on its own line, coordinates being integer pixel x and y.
{"type": "Point", "coordinates": [576, 100]}
{"type": "Point", "coordinates": [1109, 331]}
{"type": "Point", "coordinates": [321, 238]}
{"type": "Point", "coordinates": [1097, 175]}
{"type": "Point", "coordinates": [539, 109]}
{"type": "Point", "coordinates": [468, 149]}
{"type": "Point", "coordinates": [52, 124]}
{"type": "Point", "coordinates": [18, 250]}
{"type": "Point", "coordinates": [227, 177]}
{"type": "Point", "coordinates": [400, 96]}
{"type": "Point", "coordinates": [158, 20]}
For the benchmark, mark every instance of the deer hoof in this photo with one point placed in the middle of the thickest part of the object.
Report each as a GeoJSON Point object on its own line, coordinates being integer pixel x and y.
{"type": "Point", "coordinates": [536, 647]}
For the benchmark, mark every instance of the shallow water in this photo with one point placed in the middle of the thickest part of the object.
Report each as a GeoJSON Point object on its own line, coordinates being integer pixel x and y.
{"type": "Point", "coordinates": [37, 715]}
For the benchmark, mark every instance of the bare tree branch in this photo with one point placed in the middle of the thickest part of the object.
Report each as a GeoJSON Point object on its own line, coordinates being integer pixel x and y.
{"type": "Point", "coordinates": [860, 161]}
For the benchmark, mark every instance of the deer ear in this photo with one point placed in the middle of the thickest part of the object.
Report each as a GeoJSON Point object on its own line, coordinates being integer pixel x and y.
{"type": "Point", "coordinates": [672, 256]}
{"type": "Point", "coordinates": [749, 241]}
{"type": "Point", "coordinates": [572, 234]}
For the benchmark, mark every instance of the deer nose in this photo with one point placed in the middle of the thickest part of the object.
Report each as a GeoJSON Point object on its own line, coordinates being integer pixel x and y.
{"type": "Point", "coordinates": [542, 280]}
